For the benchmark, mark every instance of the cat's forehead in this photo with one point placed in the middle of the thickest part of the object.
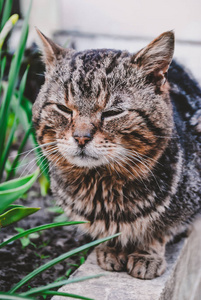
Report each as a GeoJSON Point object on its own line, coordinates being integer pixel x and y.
{"type": "Point", "coordinates": [95, 77]}
{"type": "Point", "coordinates": [91, 64]}
{"type": "Point", "coordinates": [96, 58]}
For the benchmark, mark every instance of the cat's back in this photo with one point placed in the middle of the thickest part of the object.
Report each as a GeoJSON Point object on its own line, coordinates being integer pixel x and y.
{"type": "Point", "coordinates": [185, 94]}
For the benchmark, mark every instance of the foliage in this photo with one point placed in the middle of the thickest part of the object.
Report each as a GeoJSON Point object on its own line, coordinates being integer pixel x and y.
{"type": "Point", "coordinates": [13, 100]}
{"type": "Point", "coordinates": [47, 290]}
{"type": "Point", "coordinates": [15, 111]}
{"type": "Point", "coordinates": [11, 191]}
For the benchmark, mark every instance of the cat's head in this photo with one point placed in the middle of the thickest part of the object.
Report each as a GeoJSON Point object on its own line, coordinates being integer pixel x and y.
{"type": "Point", "coordinates": [105, 107]}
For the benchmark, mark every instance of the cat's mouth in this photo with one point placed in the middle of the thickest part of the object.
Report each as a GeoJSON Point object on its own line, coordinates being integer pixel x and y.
{"type": "Point", "coordinates": [84, 159]}
{"type": "Point", "coordinates": [84, 155]}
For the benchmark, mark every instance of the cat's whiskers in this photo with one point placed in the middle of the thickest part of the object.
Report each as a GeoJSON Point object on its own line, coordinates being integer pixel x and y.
{"type": "Point", "coordinates": [34, 160]}
{"type": "Point", "coordinates": [33, 149]}
{"type": "Point", "coordinates": [38, 158]}
{"type": "Point", "coordinates": [138, 158]}
{"type": "Point", "coordinates": [97, 170]}
{"type": "Point", "coordinates": [146, 166]}
{"type": "Point", "coordinates": [139, 178]}
{"type": "Point", "coordinates": [49, 166]}
{"type": "Point", "coordinates": [113, 160]}
{"type": "Point", "coordinates": [142, 156]}
{"type": "Point", "coordinates": [30, 151]}
{"type": "Point", "coordinates": [122, 158]}
{"type": "Point", "coordinates": [108, 165]}
{"type": "Point", "coordinates": [122, 166]}
{"type": "Point", "coordinates": [28, 163]}
{"type": "Point", "coordinates": [53, 162]}
{"type": "Point", "coordinates": [64, 148]}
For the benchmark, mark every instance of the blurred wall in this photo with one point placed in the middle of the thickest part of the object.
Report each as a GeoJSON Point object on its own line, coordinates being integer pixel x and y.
{"type": "Point", "coordinates": [142, 18]}
{"type": "Point", "coordinates": [121, 24]}
{"type": "Point", "coordinates": [146, 18]}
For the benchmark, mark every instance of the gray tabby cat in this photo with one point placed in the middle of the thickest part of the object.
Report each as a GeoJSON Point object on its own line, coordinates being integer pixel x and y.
{"type": "Point", "coordinates": [123, 145]}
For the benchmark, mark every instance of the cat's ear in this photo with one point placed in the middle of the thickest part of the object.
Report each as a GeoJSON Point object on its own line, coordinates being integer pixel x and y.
{"type": "Point", "coordinates": [50, 50]}
{"type": "Point", "coordinates": [154, 60]}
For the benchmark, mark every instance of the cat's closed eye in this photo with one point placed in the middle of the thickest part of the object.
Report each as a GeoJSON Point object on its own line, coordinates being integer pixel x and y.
{"type": "Point", "coordinates": [64, 109]}
{"type": "Point", "coordinates": [111, 113]}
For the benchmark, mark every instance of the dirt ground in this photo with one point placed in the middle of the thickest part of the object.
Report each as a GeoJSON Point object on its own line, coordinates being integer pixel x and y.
{"type": "Point", "coordinates": [16, 261]}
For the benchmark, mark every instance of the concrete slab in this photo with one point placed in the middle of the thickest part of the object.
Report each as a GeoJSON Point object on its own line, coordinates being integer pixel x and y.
{"type": "Point", "coordinates": [181, 281]}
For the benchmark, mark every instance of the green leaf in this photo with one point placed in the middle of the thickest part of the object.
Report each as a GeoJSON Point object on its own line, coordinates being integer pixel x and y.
{"type": "Point", "coordinates": [25, 111]}
{"type": "Point", "coordinates": [6, 13]}
{"type": "Point", "coordinates": [59, 259]}
{"type": "Point", "coordinates": [22, 110]}
{"type": "Point", "coordinates": [23, 232]}
{"type": "Point", "coordinates": [61, 218]}
{"type": "Point", "coordinates": [7, 28]}
{"type": "Point", "coordinates": [19, 229]}
{"type": "Point", "coordinates": [34, 236]}
{"type": "Point", "coordinates": [1, 5]}
{"type": "Point", "coordinates": [82, 260]}
{"type": "Point", "coordinates": [55, 209]}
{"type": "Point", "coordinates": [40, 289]}
{"type": "Point", "coordinates": [14, 127]}
{"type": "Point", "coordinates": [44, 185]}
{"type": "Point", "coordinates": [8, 296]}
{"type": "Point", "coordinates": [54, 293]}
{"type": "Point", "coordinates": [25, 242]}
{"type": "Point", "coordinates": [68, 272]}
{"type": "Point", "coordinates": [12, 80]}
{"type": "Point", "coordinates": [3, 65]}
{"type": "Point", "coordinates": [14, 215]}
{"type": "Point", "coordinates": [13, 206]}
{"type": "Point", "coordinates": [13, 189]}
{"type": "Point", "coordinates": [15, 162]}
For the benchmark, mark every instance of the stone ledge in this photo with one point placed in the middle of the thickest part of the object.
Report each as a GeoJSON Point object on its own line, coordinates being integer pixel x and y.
{"type": "Point", "coordinates": [181, 281]}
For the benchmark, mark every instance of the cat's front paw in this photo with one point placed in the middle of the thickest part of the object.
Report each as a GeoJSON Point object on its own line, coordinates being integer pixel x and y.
{"type": "Point", "coordinates": [145, 266]}
{"type": "Point", "coordinates": [110, 259]}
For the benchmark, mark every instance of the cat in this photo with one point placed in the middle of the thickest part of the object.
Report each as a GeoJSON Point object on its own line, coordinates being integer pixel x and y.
{"type": "Point", "coordinates": [123, 144]}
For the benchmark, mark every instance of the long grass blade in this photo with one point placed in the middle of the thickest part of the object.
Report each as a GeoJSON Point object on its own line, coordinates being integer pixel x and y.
{"type": "Point", "coordinates": [12, 171]}
{"type": "Point", "coordinates": [14, 127]}
{"type": "Point", "coordinates": [59, 259]}
{"type": "Point", "coordinates": [8, 296]}
{"type": "Point", "coordinates": [2, 68]}
{"type": "Point", "coordinates": [1, 5]}
{"type": "Point", "coordinates": [12, 80]}
{"type": "Point", "coordinates": [39, 228]}
{"type": "Point", "coordinates": [3, 65]}
{"type": "Point", "coordinates": [26, 116]}
{"type": "Point", "coordinates": [7, 28]}
{"type": "Point", "coordinates": [40, 289]}
{"type": "Point", "coordinates": [54, 293]}
{"type": "Point", "coordinates": [6, 151]}
{"type": "Point", "coordinates": [6, 13]}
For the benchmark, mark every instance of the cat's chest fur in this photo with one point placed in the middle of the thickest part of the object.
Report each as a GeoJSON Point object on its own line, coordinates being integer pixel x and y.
{"type": "Point", "coordinates": [106, 203]}
{"type": "Point", "coordinates": [112, 203]}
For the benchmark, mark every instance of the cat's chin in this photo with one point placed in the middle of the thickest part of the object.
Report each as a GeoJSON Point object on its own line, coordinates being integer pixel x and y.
{"type": "Point", "coordinates": [86, 161]}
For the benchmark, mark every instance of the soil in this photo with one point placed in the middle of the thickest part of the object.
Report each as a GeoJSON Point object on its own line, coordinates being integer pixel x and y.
{"type": "Point", "coordinates": [16, 261]}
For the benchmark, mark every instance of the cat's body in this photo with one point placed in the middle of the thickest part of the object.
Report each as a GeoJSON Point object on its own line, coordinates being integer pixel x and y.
{"type": "Point", "coordinates": [127, 150]}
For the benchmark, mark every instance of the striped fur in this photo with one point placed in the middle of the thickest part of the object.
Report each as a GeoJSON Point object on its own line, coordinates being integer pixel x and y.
{"type": "Point", "coordinates": [126, 154]}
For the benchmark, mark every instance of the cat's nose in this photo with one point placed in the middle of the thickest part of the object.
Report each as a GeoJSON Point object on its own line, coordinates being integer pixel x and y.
{"type": "Point", "coordinates": [82, 140]}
